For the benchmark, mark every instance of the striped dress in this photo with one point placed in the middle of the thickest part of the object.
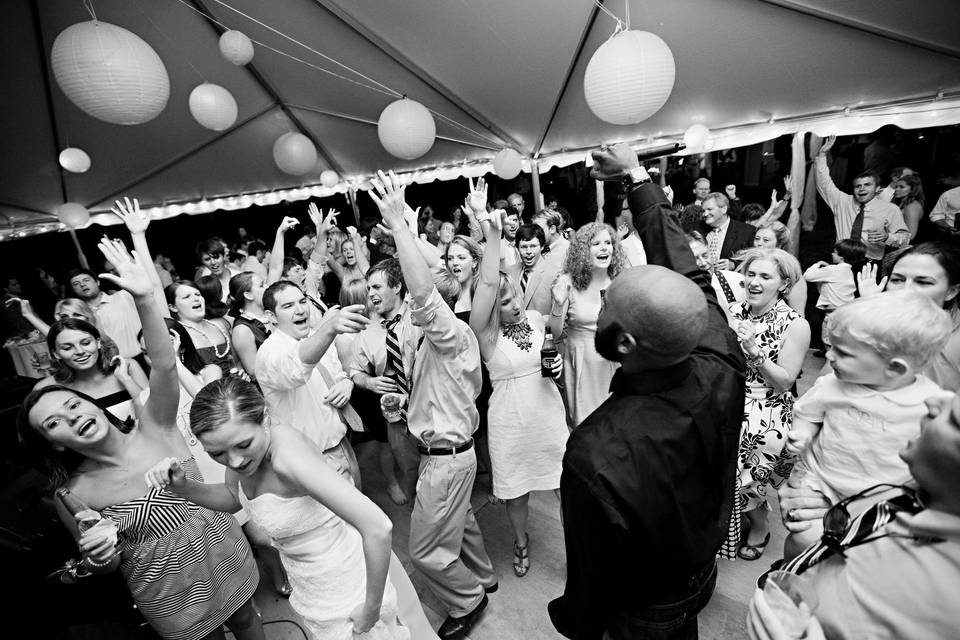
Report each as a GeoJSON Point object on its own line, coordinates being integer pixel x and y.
{"type": "Point", "coordinates": [187, 567]}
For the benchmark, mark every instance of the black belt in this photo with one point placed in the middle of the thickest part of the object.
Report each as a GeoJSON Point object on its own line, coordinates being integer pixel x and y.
{"type": "Point", "coordinates": [445, 451]}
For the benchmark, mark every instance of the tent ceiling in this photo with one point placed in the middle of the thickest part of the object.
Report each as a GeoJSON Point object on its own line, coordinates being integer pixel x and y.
{"type": "Point", "coordinates": [499, 72]}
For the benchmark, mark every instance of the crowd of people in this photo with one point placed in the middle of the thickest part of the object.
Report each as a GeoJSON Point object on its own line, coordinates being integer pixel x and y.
{"type": "Point", "coordinates": [644, 372]}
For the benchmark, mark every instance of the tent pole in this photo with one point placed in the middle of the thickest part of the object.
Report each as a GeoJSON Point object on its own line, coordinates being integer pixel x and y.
{"type": "Point", "coordinates": [80, 255]}
{"type": "Point", "coordinates": [352, 199]}
{"type": "Point", "coordinates": [535, 184]}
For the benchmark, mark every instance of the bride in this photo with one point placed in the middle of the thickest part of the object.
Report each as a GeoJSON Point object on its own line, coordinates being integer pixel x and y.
{"type": "Point", "coordinates": [334, 542]}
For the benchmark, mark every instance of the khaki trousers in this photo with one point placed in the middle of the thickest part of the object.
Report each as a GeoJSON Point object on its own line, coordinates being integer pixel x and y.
{"type": "Point", "coordinates": [343, 460]}
{"type": "Point", "coordinates": [446, 545]}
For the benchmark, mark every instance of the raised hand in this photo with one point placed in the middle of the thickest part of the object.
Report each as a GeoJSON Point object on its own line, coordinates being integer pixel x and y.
{"type": "Point", "coordinates": [136, 220]}
{"type": "Point", "coordinates": [352, 232]}
{"type": "Point", "coordinates": [787, 183]}
{"type": "Point", "coordinates": [26, 309]}
{"type": "Point", "coordinates": [731, 191]}
{"type": "Point", "coordinates": [867, 281]}
{"type": "Point", "coordinates": [133, 275]}
{"type": "Point", "coordinates": [389, 198]}
{"type": "Point", "coordinates": [329, 221]}
{"type": "Point", "coordinates": [614, 162]}
{"type": "Point", "coordinates": [315, 216]}
{"type": "Point", "coordinates": [477, 198]}
{"type": "Point", "coordinates": [827, 145]}
{"type": "Point", "coordinates": [166, 473]}
{"type": "Point", "coordinates": [287, 223]}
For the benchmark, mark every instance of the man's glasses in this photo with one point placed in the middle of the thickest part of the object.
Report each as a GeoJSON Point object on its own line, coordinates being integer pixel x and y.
{"type": "Point", "coordinates": [836, 521]}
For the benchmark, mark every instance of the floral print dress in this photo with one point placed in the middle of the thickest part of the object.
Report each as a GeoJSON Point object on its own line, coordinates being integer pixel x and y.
{"type": "Point", "coordinates": [762, 461]}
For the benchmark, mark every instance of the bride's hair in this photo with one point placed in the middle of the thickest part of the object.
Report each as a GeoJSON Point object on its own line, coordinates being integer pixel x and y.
{"type": "Point", "coordinates": [229, 398]}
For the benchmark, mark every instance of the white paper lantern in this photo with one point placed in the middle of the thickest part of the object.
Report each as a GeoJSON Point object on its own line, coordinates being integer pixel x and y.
{"type": "Point", "coordinates": [74, 160]}
{"type": "Point", "coordinates": [406, 129]}
{"type": "Point", "coordinates": [294, 153]}
{"type": "Point", "coordinates": [329, 178]}
{"type": "Point", "coordinates": [72, 214]}
{"type": "Point", "coordinates": [236, 47]}
{"type": "Point", "coordinates": [110, 73]}
{"type": "Point", "coordinates": [507, 164]}
{"type": "Point", "coordinates": [696, 136]}
{"type": "Point", "coordinates": [213, 106]}
{"type": "Point", "coordinates": [629, 77]}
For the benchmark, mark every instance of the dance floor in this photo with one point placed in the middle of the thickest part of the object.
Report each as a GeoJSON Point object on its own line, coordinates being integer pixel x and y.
{"type": "Point", "coordinates": [519, 609]}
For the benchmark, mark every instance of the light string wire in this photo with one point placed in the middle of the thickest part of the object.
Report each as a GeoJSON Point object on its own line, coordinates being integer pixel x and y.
{"type": "Point", "coordinates": [175, 46]}
{"type": "Point", "coordinates": [620, 24]}
{"type": "Point", "coordinates": [380, 87]}
{"type": "Point", "coordinates": [88, 5]}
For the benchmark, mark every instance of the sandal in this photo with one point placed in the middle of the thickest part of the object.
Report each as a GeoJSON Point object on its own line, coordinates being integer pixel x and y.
{"type": "Point", "coordinates": [521, 558]}
{"type": "Point", "coordinates": [753, 551]}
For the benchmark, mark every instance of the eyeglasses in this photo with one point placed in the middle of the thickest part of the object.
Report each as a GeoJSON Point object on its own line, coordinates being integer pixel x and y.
{"type": "Point", "coordinates": [836, 521]}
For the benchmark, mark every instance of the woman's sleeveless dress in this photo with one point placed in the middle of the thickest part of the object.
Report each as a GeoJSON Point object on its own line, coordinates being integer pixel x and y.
{"type": "Point", "coordinates": [187, 567]}
{"type": "Point", "coordinates": [762, 461]}
{"type": "Point", "coordinates": [528, 430]}
{"type": "Point", "coordinates": [586, 374]}
{"type": "Point", "coordinates": [323, 556]}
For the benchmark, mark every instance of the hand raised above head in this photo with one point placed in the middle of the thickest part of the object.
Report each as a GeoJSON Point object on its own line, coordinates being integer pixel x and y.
{"type": "Point", "coordinates": [477, 197]}
{"type": "Point", "coordinates": [130, 213]}
{"type": "Point", "coordinates": [389, 198]}
{"type": "Point", "coordinates": [827, 144]}
{"type": "Point", "coordinates": [613, 162]}
{"type": "Point", "coordinates": [133, 275]}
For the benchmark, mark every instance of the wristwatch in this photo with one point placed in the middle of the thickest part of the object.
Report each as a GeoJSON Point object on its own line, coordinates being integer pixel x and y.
{"type": "Point", "coordinates": [635, 177]}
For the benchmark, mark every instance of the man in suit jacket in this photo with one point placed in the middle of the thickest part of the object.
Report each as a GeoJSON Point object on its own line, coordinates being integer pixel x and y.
{"type": "Point", "coordinates": [537, 273]}
{"type": "Point", "coordinates": [725, 236]}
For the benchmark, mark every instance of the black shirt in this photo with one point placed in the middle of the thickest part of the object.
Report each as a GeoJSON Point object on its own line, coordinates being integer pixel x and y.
{"type": "Point", "coordinates": [648, 478]}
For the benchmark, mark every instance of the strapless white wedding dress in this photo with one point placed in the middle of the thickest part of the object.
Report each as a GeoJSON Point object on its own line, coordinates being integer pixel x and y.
{"type": "Point", "coordinates": [323, 556]}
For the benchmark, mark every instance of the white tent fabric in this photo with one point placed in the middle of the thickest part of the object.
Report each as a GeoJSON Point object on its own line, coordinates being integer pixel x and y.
{"type": "Point", "coordinates": [496, 73]}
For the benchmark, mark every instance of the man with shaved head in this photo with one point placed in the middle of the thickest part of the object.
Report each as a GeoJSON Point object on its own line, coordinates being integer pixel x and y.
{"type": "Point", "coordinates": [648, 478]}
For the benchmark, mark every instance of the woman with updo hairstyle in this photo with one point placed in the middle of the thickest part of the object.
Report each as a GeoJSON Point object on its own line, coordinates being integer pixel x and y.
{"type": "Point", "coordinates": [82, 361]}
{"type": "Point", "coordinates": [211, 337]}
{"type": "Point", "coordinates": [776, 235]}
{"type": "Point", "coordinates": [250, 321]}
{"type": "Point", "coordinates": [594, 259]}
{"type": "Point", "coordinates": [213, 295]}
{"type": "Point", "coordinates": [334, 541]}
{"type": "Point", "coordinates": [774, 339]}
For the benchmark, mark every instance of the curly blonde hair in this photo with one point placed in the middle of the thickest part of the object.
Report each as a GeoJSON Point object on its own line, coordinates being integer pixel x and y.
{"type": "Point", "coordinates": [577, 263]}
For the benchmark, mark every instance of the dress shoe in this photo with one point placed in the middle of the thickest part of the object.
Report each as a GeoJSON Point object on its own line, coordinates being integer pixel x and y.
{"type": "Point", "coordinates": [492, 588]}
{"type": "Point", "coordinates": [456, 628]}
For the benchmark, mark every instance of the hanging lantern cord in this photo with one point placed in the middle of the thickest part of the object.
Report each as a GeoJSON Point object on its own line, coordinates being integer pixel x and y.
{"type": "Point", "coordinates": [88, 5]}
{"type": "Point", "coordinates": [620, 24]}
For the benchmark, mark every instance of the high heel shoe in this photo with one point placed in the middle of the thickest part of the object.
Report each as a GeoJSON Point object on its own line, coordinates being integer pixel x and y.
{"type": "Point", "coordinates": [753, 551]}
{"type": "Point", "coordinates": [521, 558]}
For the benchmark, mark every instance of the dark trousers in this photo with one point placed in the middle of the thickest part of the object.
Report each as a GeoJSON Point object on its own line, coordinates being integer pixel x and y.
{"type": "Point", "coordinates": [672, 620]}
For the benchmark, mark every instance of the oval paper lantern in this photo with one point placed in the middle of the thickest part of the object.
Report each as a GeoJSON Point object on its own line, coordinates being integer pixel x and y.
{"type": "Point", "coordinates": [696, 136]}
{"type": "Point", "coordinates": [213, 106]}
{"type": "Point", "coordinates": [329, 178]}
{"type": "Point", "coordinates": [74, 160]}
{"type": "Point", "coordinates": [72, 214]}
{"type": "Point", "coordinates": [507, 164]}
{"type": "Point", "coordinates": [629, 77]}
{"type": "Point", "coordinates": [110, 73]}
{"type": "Point", "coordinates": [406, 129]}
{"type": "Point", "coordinates": [294, 153]}
{"type": "Point", "coordinates": [236, 47]}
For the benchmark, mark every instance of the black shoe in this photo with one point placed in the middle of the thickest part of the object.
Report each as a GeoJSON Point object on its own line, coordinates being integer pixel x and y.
{"type": "Point", "coordinates": [492, 588]}
{"type": "Point", "coordinates": [455, 628]}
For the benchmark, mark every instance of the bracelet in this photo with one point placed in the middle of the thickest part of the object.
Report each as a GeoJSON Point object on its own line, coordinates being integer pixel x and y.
{"type": "Point", "coordinates": [99, 565]}
{"type": "Point", "coordinates": [756, 360]}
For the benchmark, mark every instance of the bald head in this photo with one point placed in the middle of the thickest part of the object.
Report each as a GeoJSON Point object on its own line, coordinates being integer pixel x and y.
{"type": "Point", "coordinates": [659, 316]}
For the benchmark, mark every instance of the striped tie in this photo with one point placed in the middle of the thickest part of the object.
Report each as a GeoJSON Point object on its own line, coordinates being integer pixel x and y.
{"type": "Point", "coordinates": [395, 361]}
{"type": "Point", "coordinates": [524, 279]}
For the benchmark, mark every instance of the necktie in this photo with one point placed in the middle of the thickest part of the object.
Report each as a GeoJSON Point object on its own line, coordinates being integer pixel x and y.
{"type": "Point", "coordinates": [713, 242]}
{"type": "Point", "coordinates": [350, 415]}
{"type": "Point", "coordinates": [525, 278]}
{"type": "Point", "coordinates": [395, 360]}
{"type": "Point", "coordinates": [862, 527]}
{"type": "Point", "coordinates": [856, 232]}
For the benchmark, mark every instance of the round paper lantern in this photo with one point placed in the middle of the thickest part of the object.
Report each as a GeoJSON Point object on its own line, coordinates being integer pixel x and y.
{"type": "Point", "coordinates": [329, 178]}
{"type": "Point", "coordinates": [213, 106]}
{"type": "Point", "coordinates": [236, 47]}
{"type": "Point", "coordinates": [74, 160]}
{"type": "Point", "coordinates": [110, 73]}
{"type": "Point", "coordinates": [294, 153]}
{"type": "Point", "coordinates": [696, 136]}
{"type": "Point", "coordinates": [506, 164]}
{"type": "Point", "coordinates": [72, 214]}
{"type": "Point", "coordinates": [629, 77]}
{"type": "Point", "coordinates": [406, 129]}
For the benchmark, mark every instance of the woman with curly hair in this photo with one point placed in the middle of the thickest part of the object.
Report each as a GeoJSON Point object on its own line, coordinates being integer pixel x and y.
{"type": "Point", "coordinates": [594, 259]}
{"type": "Point", "coordinates": [774, 339]}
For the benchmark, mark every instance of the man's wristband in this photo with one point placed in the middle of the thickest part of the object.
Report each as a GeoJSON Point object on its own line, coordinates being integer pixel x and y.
{"type": "Point", "coordinates": [635, 177]}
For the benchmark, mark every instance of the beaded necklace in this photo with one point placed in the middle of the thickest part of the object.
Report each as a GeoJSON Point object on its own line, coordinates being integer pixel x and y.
{"type": "Point", "coordinates": [224, 334]}
{"type": "Point", "coordinates": [519, 333]}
